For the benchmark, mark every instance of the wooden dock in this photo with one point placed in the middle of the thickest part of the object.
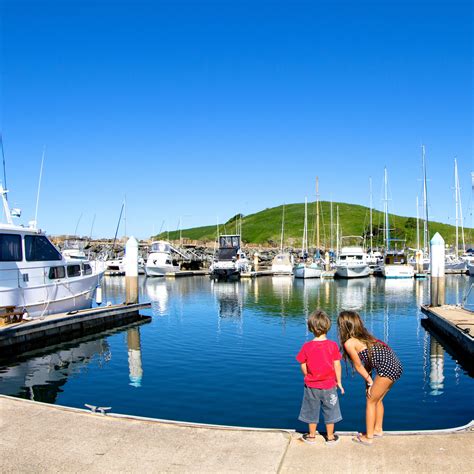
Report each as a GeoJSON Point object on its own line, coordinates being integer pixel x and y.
{"type": "Point", "coordinates": [40, 332]}
{"type": "Point", "coordinates": [454, 322]}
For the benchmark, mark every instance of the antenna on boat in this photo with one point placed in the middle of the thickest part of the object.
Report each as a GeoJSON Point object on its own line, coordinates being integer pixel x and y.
{"type": "Point", "coordinates": [35, 222]}
{"type": "Point", "coordinates": [77, 224]}
{"type": "Point", "coordinates": [4, 167]}
{"type": "Point", "coordinates": [92, 227]}
{"type": "Point", "coordinates": [118, 226]}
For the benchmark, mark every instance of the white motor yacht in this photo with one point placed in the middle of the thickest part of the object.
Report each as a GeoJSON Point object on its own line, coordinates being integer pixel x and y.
{"type": "Point", "coordinates": [230, 260]}
{"type": "Point", "coordinates": [35, 276]}
{"type": "Point", "coordinates": [160, 261]}
{"type": "Point", "coordinates": [282, 264]}
{"type": "Point", "coordinates": [352, 262]}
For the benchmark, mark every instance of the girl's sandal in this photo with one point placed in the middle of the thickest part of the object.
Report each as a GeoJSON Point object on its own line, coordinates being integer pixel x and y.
{"type": "Point", "coordinates": [375, 435]}
{"type": "Point", "coordinates": [308, 439]}
{"type": "Point", "coordinates": [358, 440]}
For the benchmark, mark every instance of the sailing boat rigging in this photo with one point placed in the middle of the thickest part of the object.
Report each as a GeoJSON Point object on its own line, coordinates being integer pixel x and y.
{"type": "Point", "coordinates": [282, 263]}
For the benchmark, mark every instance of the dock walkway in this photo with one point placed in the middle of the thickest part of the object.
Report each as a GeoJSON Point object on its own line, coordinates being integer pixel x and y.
{"type": "Point", "coordinates": [37, 437]}
{"type": "Point", "coordinates": [454, 322]}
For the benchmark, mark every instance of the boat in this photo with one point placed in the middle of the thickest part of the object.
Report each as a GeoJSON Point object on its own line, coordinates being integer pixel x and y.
{"type": "Point", "coordinates": [307, 268]}
{"type": "Point", "coordinates": [230, 261]}
{"type": "Point", "coordinates": [35, 277]}
{"type": "Point", "coordinates": [160, 261]}
{"type": "Point", "coordinates": [352, 262]}
{"type": "Point", "coordinates": [282, 263]}
{"type": "Point", "coordinates": [470, 268]}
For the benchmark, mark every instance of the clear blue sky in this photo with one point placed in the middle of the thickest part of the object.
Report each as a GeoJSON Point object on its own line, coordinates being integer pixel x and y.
{"type": "Point", "coordinates": [201, 109]}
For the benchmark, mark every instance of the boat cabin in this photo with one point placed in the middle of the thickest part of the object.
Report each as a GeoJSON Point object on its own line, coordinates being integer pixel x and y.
{"type": "Point", "coordinates": [395, 259]}
{"type": "Point", "coordinates": [229, 246]}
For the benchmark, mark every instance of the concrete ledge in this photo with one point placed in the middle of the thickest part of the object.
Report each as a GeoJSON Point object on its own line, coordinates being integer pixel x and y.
{"type": "Point", "coordinates": [41, 437]}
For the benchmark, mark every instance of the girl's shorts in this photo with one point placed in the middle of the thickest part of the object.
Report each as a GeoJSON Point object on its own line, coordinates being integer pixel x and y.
{"type": "Point", "coordinates": [314, 399]}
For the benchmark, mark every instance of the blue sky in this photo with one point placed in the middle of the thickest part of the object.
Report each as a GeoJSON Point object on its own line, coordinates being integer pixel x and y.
{"type": "Point", "coordinates": [198, 109]}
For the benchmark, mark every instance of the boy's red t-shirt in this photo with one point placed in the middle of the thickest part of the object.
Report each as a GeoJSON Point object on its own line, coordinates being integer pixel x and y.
{"type": "Point", "coordinates": [319, 357]}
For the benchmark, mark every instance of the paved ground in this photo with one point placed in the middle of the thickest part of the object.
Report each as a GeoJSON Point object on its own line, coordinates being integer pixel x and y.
{"type": "Point", "coordinates": [41, 438]}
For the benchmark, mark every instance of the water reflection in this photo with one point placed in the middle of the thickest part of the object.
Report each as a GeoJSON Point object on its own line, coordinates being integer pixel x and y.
{"type": "Point", "coordinates": [230, 299]}
{"type": "Point", "coordinates": [352, 294]}
{"type": "Point", "coordinates": [135, 368]}
{"type": "Point", "coordinates": [40, 377]}
{"type": "Point", "coordinates": [436, 367]}
{"type": "Point", "coordinates": [157, 291]}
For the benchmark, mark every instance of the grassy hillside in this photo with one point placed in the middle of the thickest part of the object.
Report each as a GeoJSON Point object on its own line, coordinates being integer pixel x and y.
{"type": "Point", "coordinates": [264, 227]}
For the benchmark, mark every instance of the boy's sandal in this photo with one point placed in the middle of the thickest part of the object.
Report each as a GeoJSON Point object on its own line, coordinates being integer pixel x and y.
{"type": "Point", "coordinates": [333, 441]}
{"type": "Point", "coordinates": [308, 439]}
{"type": "Point", "coordinates": [358, 439]}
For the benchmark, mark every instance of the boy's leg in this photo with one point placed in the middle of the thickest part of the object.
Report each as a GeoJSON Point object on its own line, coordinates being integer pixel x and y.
{"type": "Point", "coordinates": [330, 431]}
{"type": "Point", "coordinates": [312, 430]}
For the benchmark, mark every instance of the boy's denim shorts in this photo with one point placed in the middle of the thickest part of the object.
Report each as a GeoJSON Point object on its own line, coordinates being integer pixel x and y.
{"type": "Point", "coordinates": [314, 399]}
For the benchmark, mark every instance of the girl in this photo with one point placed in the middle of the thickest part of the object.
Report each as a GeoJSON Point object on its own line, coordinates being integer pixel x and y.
{"type": "Point", "coordinates": [367, 353]}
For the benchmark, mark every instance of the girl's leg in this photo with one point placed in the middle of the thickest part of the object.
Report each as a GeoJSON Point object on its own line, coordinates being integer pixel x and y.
{"type": "Point", "coordinates": [378, 428]}
{"type": "Point", "coordinates": [381, 386]}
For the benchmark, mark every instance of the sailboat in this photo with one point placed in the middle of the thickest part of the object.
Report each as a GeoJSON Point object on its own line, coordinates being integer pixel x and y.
{"type": "Point", "coordinates": [282, 263]}
{"type": "Point", "coordinates": [395, 262]}
{"type": "Point", "coordinates": [306, 268]}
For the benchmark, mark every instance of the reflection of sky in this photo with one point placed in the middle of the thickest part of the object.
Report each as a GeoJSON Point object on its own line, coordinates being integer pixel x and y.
{"type": "Point", "coordinates": [201, 360]}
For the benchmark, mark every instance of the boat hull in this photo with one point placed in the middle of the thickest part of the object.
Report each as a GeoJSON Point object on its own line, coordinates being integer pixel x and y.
{"type": "Point", "coordinates": [398, 271]}
{"type": "Point", "coordinates": [304, 271]}
{"type": "Point", "coordinates": [355, 271]}
{"type": "Point", "coordinates": [160, 270]}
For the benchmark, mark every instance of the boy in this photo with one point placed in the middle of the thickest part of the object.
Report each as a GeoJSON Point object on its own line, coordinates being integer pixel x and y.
{"type": "Point", "coordinates": [320, 361]}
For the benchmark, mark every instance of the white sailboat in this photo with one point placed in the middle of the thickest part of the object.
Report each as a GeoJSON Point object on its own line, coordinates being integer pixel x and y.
{"type": "Point", "coordinates": [282, 263]}
{"type": "Point", "coordinates": [35, 277]}
{"type": "Point", "coordinates": [306, 269]}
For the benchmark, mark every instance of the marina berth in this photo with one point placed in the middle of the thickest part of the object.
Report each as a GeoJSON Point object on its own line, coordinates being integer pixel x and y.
{"type": "Point", "coordinates": [35, 278]}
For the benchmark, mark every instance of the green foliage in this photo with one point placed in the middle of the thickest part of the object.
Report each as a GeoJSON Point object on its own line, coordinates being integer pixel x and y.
{"type": "Point", "coordinates": [264, 227]}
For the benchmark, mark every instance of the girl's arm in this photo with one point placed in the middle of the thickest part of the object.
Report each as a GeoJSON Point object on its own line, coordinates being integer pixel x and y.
{"type": "Point", "coordinates": [338, 370]}
{"type": "Point", "coordinates": [304, 369]}
{"type": "Point", "coordinates": [358, 366]}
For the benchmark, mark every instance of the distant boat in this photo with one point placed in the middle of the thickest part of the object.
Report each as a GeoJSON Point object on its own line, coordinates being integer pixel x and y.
{"type": "Point", "coordinates": [160, 261]}
{"type": "Point", "coordinates": [282, 263]}
{"type": "Point", "coordinates": [306, 268]}
{"type": "Point", "coordinates": [230, 261]}
{"type": "Point", "coordinates": [352, 262]}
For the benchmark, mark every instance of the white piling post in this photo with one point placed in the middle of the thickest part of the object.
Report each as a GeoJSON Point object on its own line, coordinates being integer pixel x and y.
{"type": "Point", "coordinates": [135, 367]}
{"type": "Point", "coordinates": [131, 271]}
{"type": "Point", "coordinates": [437, 270]}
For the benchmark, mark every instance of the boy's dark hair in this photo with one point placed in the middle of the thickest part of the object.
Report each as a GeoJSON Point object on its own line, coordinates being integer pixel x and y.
{"type": "Point", "coordinates": [319, 322]}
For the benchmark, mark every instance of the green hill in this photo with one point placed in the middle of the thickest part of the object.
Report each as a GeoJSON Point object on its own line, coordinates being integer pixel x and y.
{"type": "Point", "coordinates": [264, 227]}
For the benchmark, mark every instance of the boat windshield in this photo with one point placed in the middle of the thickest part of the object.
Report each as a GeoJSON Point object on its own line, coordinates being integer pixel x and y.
{"type": "Point", "coordinates": [229, 241]}
{"type": "Point", "coordinates": [160, 247]}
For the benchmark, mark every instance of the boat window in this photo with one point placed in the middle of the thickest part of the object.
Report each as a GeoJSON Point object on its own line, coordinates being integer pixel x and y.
{"type": "Point", "coordinates": [73, 270]}
{"type": "Point", "coordinates": [342, 257]}
{"type": "Point", "coordinates": [10, 248]}
{"type": "Point", "coordinates": [87, 269]}
{"type": "Point", "coordinates": [56, 272]}
{"type": "Point", "coordinates": [39, 249]}
{"type": "Point", "coordinates": [358, 257]}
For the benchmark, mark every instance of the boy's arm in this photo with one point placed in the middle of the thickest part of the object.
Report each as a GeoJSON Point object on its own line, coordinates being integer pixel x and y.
{"type": "Point", "coordinates": [338, 370]}
{"type": "Point", "coordinates": [304, 369]}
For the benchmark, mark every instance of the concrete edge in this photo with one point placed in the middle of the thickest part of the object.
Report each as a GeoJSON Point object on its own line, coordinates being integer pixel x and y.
{"type": "Point", "coordinates": [458, 429]}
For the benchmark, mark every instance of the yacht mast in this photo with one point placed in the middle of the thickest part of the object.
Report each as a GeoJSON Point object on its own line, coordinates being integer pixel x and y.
{"type": "Point", "coordinates": [4, 169]}
{"type": "Point", "coordinates": [371, 228]}
{"type": "Point", "coordinates": [387, 230]}
{"type": "Point", "coordinates": [417, 224]}
{"type": "Point", "coordinates": [459, 216]}
{"type": "Point", "coordinates": [337, 230]}
{"type": "Point", "coordinates": [305, 229]}
{"type": "Point", "coordinates": [317, 216]}
{"type": "Point", "coordinates": [331, 239]}
{"type": "Point", "coordinates": [456, 247]}
{"type": "Point", "coordinates": [282, 229]}
{"type": "Point", "coordinates": [425, 205]}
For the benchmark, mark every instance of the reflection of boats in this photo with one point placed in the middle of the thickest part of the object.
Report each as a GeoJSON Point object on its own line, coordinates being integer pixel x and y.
{"type": "Point", "coordinates": [157, 291]}
{"type": "Point", "coordinates": [352, 293]}
{"type": "Point", "coordinates": [40, 377]}
{"type": "Point", "coordinates": [352, 263]}
{"type": "Point", "coordinates": [229, 296]}
{"type": "Point", "coordinates": [35, 276]}
{"type": "Point", "coordinates": [230, 260]}
{"type": "Point", "coordinates": [159, 261]}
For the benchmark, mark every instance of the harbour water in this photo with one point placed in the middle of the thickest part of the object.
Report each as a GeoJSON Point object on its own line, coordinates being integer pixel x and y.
{"type": "Point", "coordinates": [224, 353]}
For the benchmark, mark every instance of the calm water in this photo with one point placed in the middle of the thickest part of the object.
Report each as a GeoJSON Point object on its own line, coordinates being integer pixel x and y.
{"type": "Point", "coordinates": [225, 353]}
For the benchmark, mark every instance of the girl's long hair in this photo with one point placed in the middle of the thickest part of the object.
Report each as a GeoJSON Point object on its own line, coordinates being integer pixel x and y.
{"type": "Point", "coordinates": [349, 325]}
